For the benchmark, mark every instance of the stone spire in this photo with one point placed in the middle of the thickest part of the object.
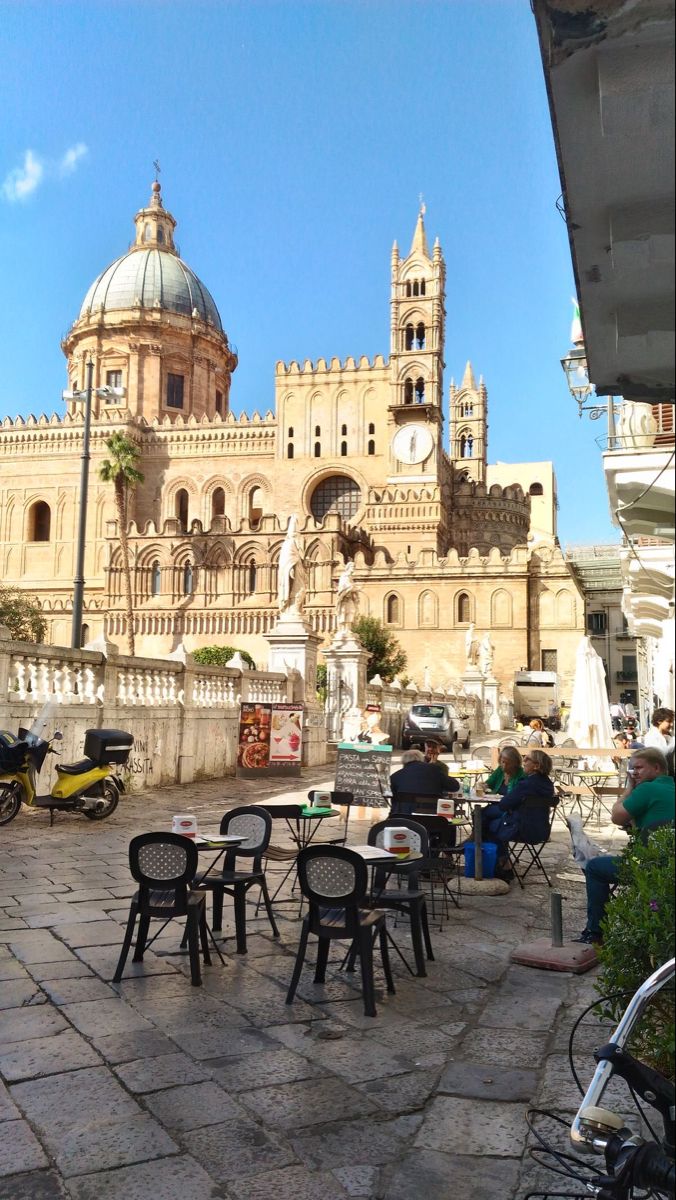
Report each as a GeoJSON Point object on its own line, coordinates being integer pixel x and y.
{"type": "Point", "coordinates": [468, 381]}
{"type": "Point", "coordinates": [154, 225]}
{"type": "Point", "coordinates": [419, 243]}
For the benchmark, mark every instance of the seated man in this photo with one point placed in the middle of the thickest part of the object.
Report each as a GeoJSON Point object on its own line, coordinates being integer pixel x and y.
{"type": "Point", "coordinates": [417, 778]}
{"type": "Point", "coordinates": [648, 802]}
{"type": "Point", "coordinates": [433, 749]}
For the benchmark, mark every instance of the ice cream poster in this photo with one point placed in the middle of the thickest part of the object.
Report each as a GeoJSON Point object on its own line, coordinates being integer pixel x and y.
{"type": "Point", "coordinates": [286, 735]}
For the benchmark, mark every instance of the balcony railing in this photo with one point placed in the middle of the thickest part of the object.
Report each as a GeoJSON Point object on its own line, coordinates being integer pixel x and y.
{"type": "Point", "coordinates": [626, 676]}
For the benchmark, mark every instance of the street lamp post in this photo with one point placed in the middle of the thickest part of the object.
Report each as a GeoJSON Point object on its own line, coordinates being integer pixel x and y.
{"type": "Point", "coordinates": [79, 582]}
{"type": "Point", "coordinates": [579, 384]}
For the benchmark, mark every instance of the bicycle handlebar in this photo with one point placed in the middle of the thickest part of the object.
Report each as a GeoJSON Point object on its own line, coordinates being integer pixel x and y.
{"type": "Point", "coordinates": [590, 1136]}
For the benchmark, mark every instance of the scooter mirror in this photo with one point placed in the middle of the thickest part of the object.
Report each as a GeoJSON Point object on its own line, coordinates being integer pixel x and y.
{"type": "Point", "coordinates": [58, 736]}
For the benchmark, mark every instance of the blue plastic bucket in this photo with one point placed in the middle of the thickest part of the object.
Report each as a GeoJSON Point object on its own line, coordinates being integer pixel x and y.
{"type": "Point", "coordinates": [489, 857]}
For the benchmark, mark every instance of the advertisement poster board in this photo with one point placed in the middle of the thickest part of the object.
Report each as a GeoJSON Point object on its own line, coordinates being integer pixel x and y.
{"type": "Point", "coordinates": [270, 740]}
{"type": "Point", "coordinates": [365, 771]}
{"type": "Point", "coordinates": [253, 750]}
{"type": "Point", "coordinates": [286, 739]}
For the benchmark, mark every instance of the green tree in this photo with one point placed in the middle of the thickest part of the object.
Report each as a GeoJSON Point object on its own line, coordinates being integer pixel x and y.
{"type": "Point", "coordinates": [638, 936]}
{"type": "Point", "coordinates": [386, 657]}
{"type": "Point", "coordinates": [219, 656]}
{"type": "Point", "coordinates": [22, 616]}
{"type": "Point", "coordinates": [121, 470]}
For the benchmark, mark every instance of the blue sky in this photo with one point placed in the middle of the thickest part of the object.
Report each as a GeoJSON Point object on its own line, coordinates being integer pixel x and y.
{"type": "Point", "coordinates": [295, 139]}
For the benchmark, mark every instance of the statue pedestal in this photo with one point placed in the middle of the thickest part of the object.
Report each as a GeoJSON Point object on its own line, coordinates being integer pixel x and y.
{"type": "Point", "coordinates": [293, 647]}
{"type": "Point", "coordinates": [346, 662]}
{"type": "Point", "coordinates": [491, 696]}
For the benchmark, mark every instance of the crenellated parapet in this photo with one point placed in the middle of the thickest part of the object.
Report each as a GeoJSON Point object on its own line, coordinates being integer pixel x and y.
{"type": "Point", "coordinates": [333, 366]}
{"type": "Point", "coordinates": [492, 516]}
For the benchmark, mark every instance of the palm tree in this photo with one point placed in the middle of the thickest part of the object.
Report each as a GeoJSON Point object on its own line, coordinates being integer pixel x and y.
{"type": "Point", "coordinates": [121, 470]}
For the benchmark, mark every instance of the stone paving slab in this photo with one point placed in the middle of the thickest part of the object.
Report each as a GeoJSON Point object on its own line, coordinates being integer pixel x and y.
{"type": "Point", "coordinates": [64, 1051]}
{"type": "Point", "coordinates": [165, 1179]}
{"type": "Point", "coordinates": [227, 1093]}
{"type": "Point", "coordinates": [20, 1150]}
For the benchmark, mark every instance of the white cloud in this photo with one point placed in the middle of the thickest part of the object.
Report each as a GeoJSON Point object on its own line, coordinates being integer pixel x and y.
{"type": "Point", "coordinates": [21, 182]}
{"type": "Point", "coordinates": [71, 158]}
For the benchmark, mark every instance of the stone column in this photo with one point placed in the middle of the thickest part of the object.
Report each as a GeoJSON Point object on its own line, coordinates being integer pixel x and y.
{"type": "Point", "coordinates": [346, 662]}
{"type": "Point", "coordinates": [293, 647]}
{"type": "Point", "coordinates": [492, 697]}
{"type": "Point", "coordinates": [473, 685]}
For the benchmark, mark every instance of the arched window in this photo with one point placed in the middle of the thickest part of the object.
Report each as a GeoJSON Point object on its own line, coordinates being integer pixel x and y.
{"type": "Point", "coordinates": [219, 403]}
{"type": "Point", "coordinates": [463, 609]}
{"type": "Point", "coordinates": [290, 433]}
{"type": "Point", "coordinates": [251, 578]}
{"type": "Point", "coordinates": [338, 494]}
{"type": "Point", "coordinates": [318, 431]}
{"type": "Point", "coordinates": [289, 450]}
{"type": "Point", "coordinates": [393, 610]}
{"type": "Point", "coordinates": [217, 502]}
{"type": "Point", "coordinates": [343, 449]}
{"type": "Point", "coordinates": [408, 338]}
{"type": "Point", "coordinates": [147, 232]}
{"type": "Point", "coordinates": [420, 336]}
{"type": "Point", "coordinates": [343, 431]}
{"type": "Point", "coordinates": [408, 391]}
{"type": "Point", "coordinates": [160, 234]}
{"type": "Point", "coordinates": [416, 288]}
{"type": "Point", "coordinates": [371, 447]}
{"type": "Point", "coordinates": [181, 502]}
{"type": "Point", "coordinates": [255, 505]}
{"type": "Point", "coordinates": [422, 287]}
{"type": "Point", "coordinates": [318, 450]}
{"type": "Point", "coordinates": [536, 489]}
{"type": "Point", "coordinates": [84, 636]}
{"type": "Point", "coordinates": [408, 289]}
{"type": "Point", "coordinates": [155, 579]}
{"type": "Point", "coordinates": [39, 522]}
{"type": "Point", "coordinates": [188, 581]}
{"type": "Point", "coordinates": [372, 428]}
{"type": "Point", "coordinates": [420, 390]}
{"type": "Point", "coordinates": [469, 446]}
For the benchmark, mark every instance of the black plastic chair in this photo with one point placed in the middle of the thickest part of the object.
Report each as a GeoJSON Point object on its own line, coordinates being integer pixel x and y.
{"type": "Point", "coordinates": [335, 882]}
{"type": "Point", "coordinates": [255, 825]}
{"type": "Point", "coordinates": [337, 800]}
{"type": "Point", "coordinates": [409, 899]}
{"type": "Point", "coordinates": [164, 864]}
{"type": "Point", "coordinates": [405, 803]}
{"type": "Point", "coordinates": [536, 819]}
{"type": "Point", "coordinates": [444, 853]}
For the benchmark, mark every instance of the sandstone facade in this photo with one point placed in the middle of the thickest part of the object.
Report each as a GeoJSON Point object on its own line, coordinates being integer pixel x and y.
{"type": "Point", "coordinates": [355, 448]}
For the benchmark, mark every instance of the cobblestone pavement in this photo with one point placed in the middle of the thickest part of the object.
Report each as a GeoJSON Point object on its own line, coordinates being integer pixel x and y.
{"type": "Point", "coordinates": [155, 1088]}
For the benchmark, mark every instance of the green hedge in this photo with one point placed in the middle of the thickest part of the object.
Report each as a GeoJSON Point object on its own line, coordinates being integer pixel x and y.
{"type": "Point", "coordinates": [638, 937]}
{"type": "Point", "coordinates": [219, 656]}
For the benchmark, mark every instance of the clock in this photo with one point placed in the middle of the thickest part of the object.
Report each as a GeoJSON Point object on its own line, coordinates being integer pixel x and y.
{"type": "Point", "coordinates": [412, 444]}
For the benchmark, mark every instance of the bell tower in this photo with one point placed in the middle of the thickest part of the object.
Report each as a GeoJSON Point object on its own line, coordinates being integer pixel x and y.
{"type": "Point", "coordinates": [417, 359]}
{"type": "Point", "coordinates": [469, 427]}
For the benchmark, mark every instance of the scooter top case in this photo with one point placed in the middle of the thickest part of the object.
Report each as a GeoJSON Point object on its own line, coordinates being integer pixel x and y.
{"type": "Point", "coordinates": [108, 746]}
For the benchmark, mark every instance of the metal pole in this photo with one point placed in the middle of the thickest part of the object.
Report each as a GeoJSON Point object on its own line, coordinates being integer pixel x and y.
{"type": "Point", "coordinates": [78, 583]}
{"type": "Point", "coordinates": [556, 918]}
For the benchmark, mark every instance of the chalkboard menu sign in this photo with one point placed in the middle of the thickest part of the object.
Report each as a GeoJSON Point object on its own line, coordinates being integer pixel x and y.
{"type": "Point", "coordinates": [364, 771]}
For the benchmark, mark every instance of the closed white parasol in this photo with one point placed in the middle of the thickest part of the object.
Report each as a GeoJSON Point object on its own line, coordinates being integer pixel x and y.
{"type": "Point", "coordinates": [589, 722]}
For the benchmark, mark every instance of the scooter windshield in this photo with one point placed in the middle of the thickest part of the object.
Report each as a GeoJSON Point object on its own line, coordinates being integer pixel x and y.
{"type": "Point", "coordinates": [44, 722]}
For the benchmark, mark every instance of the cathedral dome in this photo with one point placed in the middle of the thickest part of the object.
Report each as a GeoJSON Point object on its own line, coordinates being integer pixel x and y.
{"type": "Point", "coordinates": [151, 274]}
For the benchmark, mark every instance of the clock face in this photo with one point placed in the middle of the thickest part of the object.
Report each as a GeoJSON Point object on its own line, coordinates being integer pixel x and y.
{"type": "Point", "coordinates": [412, 444]}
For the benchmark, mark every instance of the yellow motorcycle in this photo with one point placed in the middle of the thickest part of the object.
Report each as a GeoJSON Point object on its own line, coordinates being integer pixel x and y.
{"type": "Point", "coordinates": [89, 787]}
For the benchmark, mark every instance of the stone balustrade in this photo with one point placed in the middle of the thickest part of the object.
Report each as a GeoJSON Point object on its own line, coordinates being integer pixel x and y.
{"type": "Point", "coordinates": [184, 716]}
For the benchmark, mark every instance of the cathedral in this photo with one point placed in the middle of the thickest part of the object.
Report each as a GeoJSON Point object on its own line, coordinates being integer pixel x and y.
{"type": "Point", "coordinates": [356, 449]}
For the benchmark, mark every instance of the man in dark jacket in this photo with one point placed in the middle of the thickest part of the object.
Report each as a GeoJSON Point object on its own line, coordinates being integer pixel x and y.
{"type": "Point", "coordinates": [418, 778]}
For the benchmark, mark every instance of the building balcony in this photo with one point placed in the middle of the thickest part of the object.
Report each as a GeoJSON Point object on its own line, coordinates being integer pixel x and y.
{"type": "Point", "coordinates": [626, 676]}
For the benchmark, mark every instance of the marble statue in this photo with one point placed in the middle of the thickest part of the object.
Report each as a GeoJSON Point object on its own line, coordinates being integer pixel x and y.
{"type": "Point", "coordinates": [293, 574]}
{"type": "Point", "coordinates": [471, 647]}
{"type": "Point", "coordinates": [347, 600]}
{"type": "Point", "coordinates": [486, 655]}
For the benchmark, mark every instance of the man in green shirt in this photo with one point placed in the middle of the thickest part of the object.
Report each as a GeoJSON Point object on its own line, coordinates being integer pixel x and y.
{"type": "Point", "coordinates": [648, 801]}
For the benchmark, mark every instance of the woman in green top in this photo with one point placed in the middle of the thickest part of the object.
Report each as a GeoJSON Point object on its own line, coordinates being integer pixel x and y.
{"type": "Point", "coordinates": [508, 772]}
